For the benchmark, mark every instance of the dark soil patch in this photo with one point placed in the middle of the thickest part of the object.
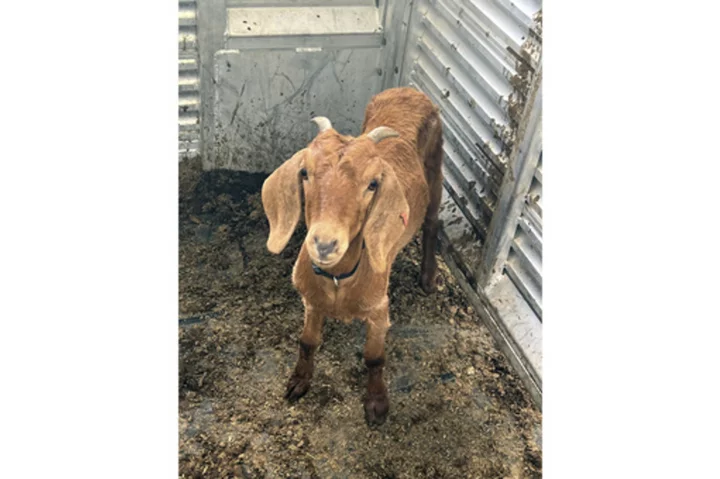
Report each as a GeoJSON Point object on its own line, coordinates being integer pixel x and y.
{"type": "Point", "coordinates": [457, 408]}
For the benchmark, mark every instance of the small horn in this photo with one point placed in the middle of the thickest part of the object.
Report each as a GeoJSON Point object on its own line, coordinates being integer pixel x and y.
{"type": "Point", "coordinates": [322, 123]}
{"type": "Point", "coordinates": [382, 132]}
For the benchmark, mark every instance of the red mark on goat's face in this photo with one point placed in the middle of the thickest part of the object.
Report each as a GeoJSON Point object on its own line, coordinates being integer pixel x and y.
{"type": "Point", "coordinates": [404, 218]}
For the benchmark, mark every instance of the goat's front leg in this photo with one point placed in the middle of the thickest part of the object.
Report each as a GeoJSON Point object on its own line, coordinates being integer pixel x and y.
{"type": "Point", "coordinates": [377, 403]}
{"type": "Point", "coordinates": [299, 382]}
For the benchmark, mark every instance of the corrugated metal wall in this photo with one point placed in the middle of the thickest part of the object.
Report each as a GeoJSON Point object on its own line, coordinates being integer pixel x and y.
{"type": "Point", "coordinates": [476, 60]}
{"type": "Point", "coordinates": [479, 61]}
{"type": "Point", "coordinates": [189, 81]}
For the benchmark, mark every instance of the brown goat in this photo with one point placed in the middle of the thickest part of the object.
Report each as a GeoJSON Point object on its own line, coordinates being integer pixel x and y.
{"type": "Point", "coordinates": [364, 198]}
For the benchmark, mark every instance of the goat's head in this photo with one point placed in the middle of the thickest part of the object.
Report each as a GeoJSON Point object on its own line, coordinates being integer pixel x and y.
{"type": "Point", "coordinates": [349, 190]}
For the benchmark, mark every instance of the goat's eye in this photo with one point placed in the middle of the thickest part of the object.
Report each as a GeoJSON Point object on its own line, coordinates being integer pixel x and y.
{"type": "Point", "coordinates": [303, 173]}
{"type": "Point", "coordinates": [373, 185]}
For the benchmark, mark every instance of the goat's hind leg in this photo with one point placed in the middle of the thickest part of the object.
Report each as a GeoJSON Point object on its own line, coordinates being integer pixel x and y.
{"type": "Point", "coordinates": [433, 174]}
{"type": "Point", "coordinates": [299, 382]}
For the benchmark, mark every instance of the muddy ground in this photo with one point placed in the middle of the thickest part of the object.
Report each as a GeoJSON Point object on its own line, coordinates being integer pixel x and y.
{"type": "Point", "coordinates": [457, 409]}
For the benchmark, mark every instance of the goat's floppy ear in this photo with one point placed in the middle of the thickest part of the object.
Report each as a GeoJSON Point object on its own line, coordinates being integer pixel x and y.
{"type": "Point", "coordinates": [386, 222]}
{"type": "Point", "coordinates": [281, 201]}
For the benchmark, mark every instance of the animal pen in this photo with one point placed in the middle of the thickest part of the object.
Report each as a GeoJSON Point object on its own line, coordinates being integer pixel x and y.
{"type": "Point", "coordinates": [463, 364]}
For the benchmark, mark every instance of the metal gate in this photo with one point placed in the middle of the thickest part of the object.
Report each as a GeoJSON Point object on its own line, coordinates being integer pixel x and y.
{"type": "Point", "coordinates": [266, 68]}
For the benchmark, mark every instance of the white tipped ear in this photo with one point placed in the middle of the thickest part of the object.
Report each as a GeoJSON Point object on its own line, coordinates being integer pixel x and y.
{"type": "Point", "coordinates": [382, 132]}
{"type": "Point", "coordinates": [322, 123]}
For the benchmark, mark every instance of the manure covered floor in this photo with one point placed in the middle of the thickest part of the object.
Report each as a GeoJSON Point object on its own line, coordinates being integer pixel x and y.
{"type": "Point", "coordinates": [456, 407]}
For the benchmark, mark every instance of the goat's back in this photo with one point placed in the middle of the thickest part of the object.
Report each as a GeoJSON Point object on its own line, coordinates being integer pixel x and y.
{"type": "Point", "coordinates": [417, 120]}
{"type": "Point", "coordinates": [407, 111]}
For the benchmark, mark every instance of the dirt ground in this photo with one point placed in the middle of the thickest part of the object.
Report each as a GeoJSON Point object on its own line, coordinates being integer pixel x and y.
{"type": "Point", "coordinates": [456, 407]}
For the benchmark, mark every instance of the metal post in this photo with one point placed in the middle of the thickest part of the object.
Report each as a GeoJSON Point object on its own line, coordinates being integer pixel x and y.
{"type": "Point", "coordinates": [211, 22]}
{"type": "Point", "coordinates": [515, 186]}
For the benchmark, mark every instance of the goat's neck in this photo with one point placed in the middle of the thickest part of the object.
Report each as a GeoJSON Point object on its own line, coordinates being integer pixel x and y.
{"type": "Point", "coordinates": [350, 258]}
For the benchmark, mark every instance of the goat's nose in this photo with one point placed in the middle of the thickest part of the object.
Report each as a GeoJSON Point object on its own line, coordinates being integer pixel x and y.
{"type": "Point", "coordinates": [324, 249]}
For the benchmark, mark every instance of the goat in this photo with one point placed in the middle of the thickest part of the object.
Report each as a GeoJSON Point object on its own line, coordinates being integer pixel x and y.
{"type": "Point", "coordinates": [365, 198]}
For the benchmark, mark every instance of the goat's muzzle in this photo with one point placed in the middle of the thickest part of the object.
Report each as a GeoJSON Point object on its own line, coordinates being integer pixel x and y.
{"type": "Point", "coordinates": [326, 244]}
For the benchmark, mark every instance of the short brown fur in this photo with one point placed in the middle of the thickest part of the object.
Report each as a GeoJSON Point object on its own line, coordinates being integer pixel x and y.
{"type": "Point", "coordinates": [364, 226]}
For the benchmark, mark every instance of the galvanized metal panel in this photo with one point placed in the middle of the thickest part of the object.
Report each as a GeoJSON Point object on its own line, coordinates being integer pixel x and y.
{"type": "Point", "coordinates": [516, 321]}
{"type": "Point", "coordinates": [395, 19]}
{"type": "Point", "coordinates": [279, 64]}
{"type": "Point", "coordinates": [282, 21]}
{"type": "Point", "coordinates": [524, 262]}
{"type": "Point", "coordinates": [265, 100]}
{"type": "Point", "coordinates": [515, 187]}
{"type": "Point", "coordinates": [211, 21]}
{"type": "Point", "coordinates": [303, 27]}
{"type": "Point", "coordinates": [188, 81]}
{"type": "Point", "coordinates": [476, 61]}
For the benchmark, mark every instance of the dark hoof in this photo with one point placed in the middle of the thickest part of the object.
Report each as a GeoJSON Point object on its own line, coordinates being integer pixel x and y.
{"type": "Point", "coordinates": [296, 388]}
{"type": "Point", "coordinates": [376, 409]}
{"type": "Point", "coordinates": [429, 282]}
